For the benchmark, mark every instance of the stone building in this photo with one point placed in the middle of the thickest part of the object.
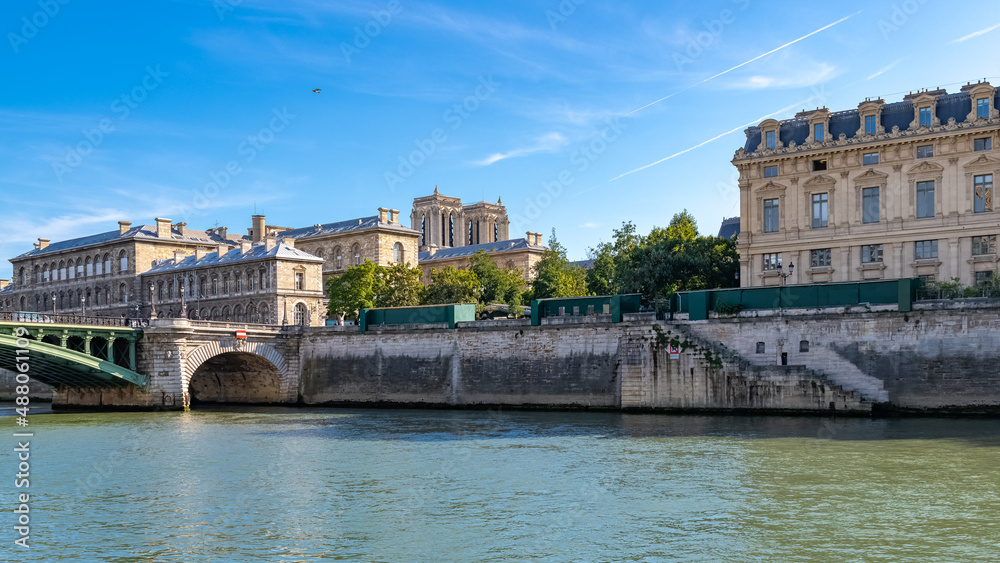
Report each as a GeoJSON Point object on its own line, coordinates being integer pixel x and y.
{"type": "Point", "coordinates": [379, 238]}
{"type": "Point", "coordinates": [521, 254]}
{"type": "Point", "coordinates": [100, 273]}
{"type": "Point", "coordinates": [265, 282]}
{"type": "Point", "coordinates": [443, 222]}
{"type": "Point", "coordinates": [893, 190]}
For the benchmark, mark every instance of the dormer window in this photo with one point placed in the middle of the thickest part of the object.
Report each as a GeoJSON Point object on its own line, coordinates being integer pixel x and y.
{"type": "Point", "coordinates": [769, 139]}
{"type": "Point", "coordinates": [818, 132]}
{"type": "Point", "coordinates": [983, 108]}
{"type": "Point", "coordinates": [925, 117]}
{"type": "Point", "coordinates": [870, 127]}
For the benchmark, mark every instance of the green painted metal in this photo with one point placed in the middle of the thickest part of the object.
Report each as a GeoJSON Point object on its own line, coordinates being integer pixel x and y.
{"type": "Point", "coordinates": [615, 305]}
{"type": "Point", "coordinates": [55, 365]}
{"type": "Point", "coordinates": [846, 294]}
{"type": "Point", "coordinates": [429, 314]}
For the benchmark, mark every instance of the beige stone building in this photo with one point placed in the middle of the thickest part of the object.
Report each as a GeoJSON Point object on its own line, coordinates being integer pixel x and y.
{"type": "Point", "coordinates": [893, 190]}
{"type": "Point", "coordinates": [521, 254]}
{"type": "Point", "coordinates": [443, 221]}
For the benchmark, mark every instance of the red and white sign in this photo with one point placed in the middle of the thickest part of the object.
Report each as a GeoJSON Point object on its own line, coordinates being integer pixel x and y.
{"type": "Point", "coordinates": [241, 334]}
{"type": "Point", "coordinates": [675, 352]}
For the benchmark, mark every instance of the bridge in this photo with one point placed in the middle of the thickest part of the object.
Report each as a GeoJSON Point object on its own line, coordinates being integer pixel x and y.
{"type": "Point", "coordinates": [157, 364]}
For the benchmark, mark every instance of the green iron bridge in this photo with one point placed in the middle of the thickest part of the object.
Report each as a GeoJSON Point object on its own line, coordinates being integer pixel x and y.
{"type": "Point", "coordinates": [74, 351]}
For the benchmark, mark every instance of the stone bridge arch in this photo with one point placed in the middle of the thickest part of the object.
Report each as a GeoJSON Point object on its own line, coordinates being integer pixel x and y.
{"type": "Point", "coordinates": [239, 371]}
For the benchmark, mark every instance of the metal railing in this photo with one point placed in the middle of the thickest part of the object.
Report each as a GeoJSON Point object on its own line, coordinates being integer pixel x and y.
{"type": "Point", "coordinates": [53, 318]}
{"type": "Point", "coordinates": [932, 293]}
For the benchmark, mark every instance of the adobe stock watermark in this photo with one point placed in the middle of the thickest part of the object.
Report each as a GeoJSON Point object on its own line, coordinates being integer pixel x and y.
{"type": "Point", "coordinates": [32, 25]}
{"type": "Point", "coordinates": [249, 149]}
{"type": "Point", "coordinates": [581, 159]}
{"type": "Point", "coordinates": [121, 107]}
{"type": "Point", "coordinates": [224, 7]}
{"type": "Point", "coordinates": [709, 36]}
{"type": "Point", "coordinates": [364, 35]}
{"type": "Point", "coordinates": [899, 16]}
{"type": "Point", "coordinates": [454, 116]}
{"type": "Point", "coordinates": [563, 11]}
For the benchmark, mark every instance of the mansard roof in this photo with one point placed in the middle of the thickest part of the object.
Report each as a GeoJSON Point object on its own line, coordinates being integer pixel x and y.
{"type": "Point", "coordinates": [955, 106]}
{"type": "Point", "coordinates": [258, 251]}
{"type": "Point", "coordinates": [462, 251]}
{"type": "Point", "coordinates": [141, 232]}
{"type": "Point", "coordinates": [341, 227]}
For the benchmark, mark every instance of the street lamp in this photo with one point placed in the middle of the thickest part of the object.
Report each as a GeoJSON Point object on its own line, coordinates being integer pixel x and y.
{"type": "Point", "coordinates": [53, 303]}
{"type": "Point", "coordinates": [183, 304]}
{"type": "Point", "coordinates": [83, 304]}
{"type": "Point", "coordinates": [152, 301]}
{"type": "Point", "coordinates": [784, 276]}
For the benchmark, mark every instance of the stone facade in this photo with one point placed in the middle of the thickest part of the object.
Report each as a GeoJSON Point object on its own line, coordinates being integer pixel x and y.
{"type": "Point", "coordinates": [443, 222]}
{"type": "Point", "coordinates": [885, 191]}
{"type": "Point", "coordinates": [520, 254]}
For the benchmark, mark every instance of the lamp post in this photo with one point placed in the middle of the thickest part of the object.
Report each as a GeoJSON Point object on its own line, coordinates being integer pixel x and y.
{"type": "Point", "coordinates": [53, 303]}
{"type": "Point", "coordinates": [784, 276]}
{"type": "Point", "coordinates": [83, 304]}
{"type": "Point", "coordinates": [183, 304]}
{"type": "Point", "coordinates": [152, 301]}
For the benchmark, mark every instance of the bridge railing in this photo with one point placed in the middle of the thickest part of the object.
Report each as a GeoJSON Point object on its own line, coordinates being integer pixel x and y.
{"type": "Point", "coordinates": [236, 325]}
{"type": "Point", "coordinates": [52, 318]}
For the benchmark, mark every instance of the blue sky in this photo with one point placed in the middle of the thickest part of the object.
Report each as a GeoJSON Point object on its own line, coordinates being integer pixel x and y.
{"type": "Point", "coordinates": [200, 110]}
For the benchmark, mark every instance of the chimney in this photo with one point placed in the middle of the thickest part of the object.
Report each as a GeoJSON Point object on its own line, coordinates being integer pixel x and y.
{"type": "Point", "coordinates": [269, 243]}
{"type": "Point", "coordinates": [199, 253]}
{"type": "Point", "coordinates": [383, 215]}
{"type": "Point", "coordinates": [123, 227]}
{"type": "Point", "coordinates": [42, 243]}
{"type": "Point", "coordinates": [180, 228]}
{"type": "Point", "coordinates": [245, 246]}
{"type": "Point", "coordinates": [178, 256]}
{"type": "Point", "coordinates": [221, 250]}
{"type": "Point", "coordinates": [394, 217]}
{"type": "Point", "coordinates": [258, 228]}
{"type": "Point", "coordinates": [162, 228]}
{"type": "Point", "coordinates": [288, 241]}
{"type": "Point", "coordinates": [222, 232]}
{"type": "Point", "coordinates": [431, 250]}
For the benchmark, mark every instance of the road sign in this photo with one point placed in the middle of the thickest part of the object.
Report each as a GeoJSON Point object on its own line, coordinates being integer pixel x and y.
{"type": "Point", "coordinates": [241, 334]}
{"type": "Point", "coordinates": [675, 352]}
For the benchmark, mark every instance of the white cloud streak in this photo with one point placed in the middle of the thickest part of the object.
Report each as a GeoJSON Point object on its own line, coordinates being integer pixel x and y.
{"type": "Point", "coordinates": [885, 69]}
{"type": "Point", "coordinates": [550, 142]}
{"type": "Point", "coordinates": [757, 58]}
{"type": "Point", "coordinates": [976, 33]}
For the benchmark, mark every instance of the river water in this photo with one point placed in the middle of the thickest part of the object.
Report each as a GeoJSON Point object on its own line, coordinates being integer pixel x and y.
{"type": "Point", "coordinates": [277, 484]}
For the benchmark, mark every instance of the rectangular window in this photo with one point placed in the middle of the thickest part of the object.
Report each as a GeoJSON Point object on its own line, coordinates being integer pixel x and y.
{"type": "Point", "coordinates": [300, 282]}
{"type": "Point", "coordinates": [870, 127]}
{"type": "Point", "coordinates": [771, 215]}
{"type": "Point", "coordinates": [819, 258]}
{"type": "Point", "coordinates": [925, 199]}
{"type": "Point", "coordinates": [927, 279]}
{"type": "Point", "coordinates": [769, 140]}
{"type": "Point", "coordinates": [871, 254]}
{"type": "Point", "coordinates": [982, 194]}
{"type": "Point", "coordinates": [819, 210]}
{"type": "Point", "coordinates": [771, 262]}
{"type": "Point", "coordinates": [818, 132]}
{"type": "Point", "coordinates": [984, 144]}
{"type": "Point", "coordinates": [925, 249]}
{"type": "Point", "coordinates": [870, 159]}
{"type": "Point", "coordinates": [869, 205]}
{"type": "Point", "coordinates": [925, 151]}
{"type": "Point", "coordinates": [982, 246]}
{"type": "Point", "coordinates": [983, 108]}
{"type": "Point", "coordinates": [770, 171]}
{"type": "Point", "coordinates": [819, 164]}
{"type": "Point", "coordinates": [925, 117]}
{"type": "Point", "coordinates": [760, 347]}
{"type": "Point", "coordinates": [984, 278]}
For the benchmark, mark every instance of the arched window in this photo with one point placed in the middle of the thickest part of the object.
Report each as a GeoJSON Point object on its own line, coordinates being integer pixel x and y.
{"type": "Point", "coordinates": [61, 271]}
{"type": "Point", "coordinates": [227, 315]}
{"type": "Point", "coordinates": [79, 267]}
{"type": "Point", "coordinates": [122, 262]}
{"type": "Point", "coordinates": [90, 268]}
{"type": "Point", "coordinates": [97, 298]}
{"type": "Point", "coordinates": [62, 300]}
{"type": "Point", "coordinates": [238, 314]}
{"type": "Point", "coordinates": [159, 292]}
{"type": "Point", "coordinates": [170, 289]}
{"type": "Point", "coordinates": [45, 273]}
{"type": "Point", "coordinates": [510, 265]}
{"type": "Point", "coordinates": [423, 230]}
{"type": "Point", "coordinates": [470, 233]}
{"type": "Point", "coordinates": [263, 278]}
{"type": "Point", "coordinates": [22, 277]}
{"type": "Point", "coordinates": [225, 284]}
{"type": "Point", "coordinates": [356, 253]}
{"type": "Point", "coordinates": [38, 275]}
{"type": "Point", "coordinates": [122, 294]}
{"type": "Point", "coordinates": [190, 288]}
{"type": "Point", "coordinates": [216, 314]}
{"type": "Point", "coordinates": [301, 314]}
{"type": "Point", "coordinates": [203, 287]}
{"type": "Point", "coordinates": [215, 285]}
{"type": "Point", "coordinates": [444, 225]}
{"type": "Point", "coordinates": [397, 253]}
{"type": "Point", "coordinates": [338, 260]}
{"type": "Point", "coordinates": [321, 253]}
{"type": "Point", "coordinates": [265, 314]}
{"type": "Point", "coordinates": [250, 280]}
{"type": "Point", "coordinates": [239, 282]}
{"type": "Point", "coordinates": [451, 230]}
{"type": "Point", "coordinates": [496, 231]}
{"type": "Point", "coordinates": [252, 315]}
{"type": "Point", "coordinates": [107, 263]}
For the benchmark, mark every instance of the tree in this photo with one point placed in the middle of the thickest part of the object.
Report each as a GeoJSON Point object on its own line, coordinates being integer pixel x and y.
{"type": "Point", "coordinates": [601, 276]}
{"type": "Point", "coordinates": [451, 286]}
{"type": "Point", "coordinates": [401, 286]}
{"type": "Point", "coordinates": [497, 285]}
{"type": "Point", "coordinates": [555, 276]}
{"type": "Point", "coordinates": [354, 290]}
{"type": "Point", "coordinates": [683, 227]}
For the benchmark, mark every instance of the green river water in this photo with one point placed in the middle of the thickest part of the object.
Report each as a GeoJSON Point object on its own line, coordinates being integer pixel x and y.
{"type": "Point", "coordinates": [282, 484]}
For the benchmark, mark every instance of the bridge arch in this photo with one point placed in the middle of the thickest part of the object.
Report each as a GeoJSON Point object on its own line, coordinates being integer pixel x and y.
{"type": "Point", "coordinates": [248, 373]}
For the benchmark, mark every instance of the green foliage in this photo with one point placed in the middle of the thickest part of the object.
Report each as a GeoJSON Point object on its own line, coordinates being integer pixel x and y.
{"type": "Point", "coordinates": [497, 285]}
{"type": "Point", "coordinates": [368, 285]}
{"type": "Point", "coordinates": [683, 227]}
{"type": "Point", "coordinates": [728, 308]}
{"type": "Point", "coordinates": [555, 276]}
{"type": "Point", "coordinates": [401, 286]}
{"type": "Point", "coordinates": [451, 285]}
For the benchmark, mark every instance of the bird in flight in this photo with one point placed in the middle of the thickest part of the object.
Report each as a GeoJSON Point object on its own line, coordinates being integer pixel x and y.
{"type": "Point", "coordinates": [317, 90]}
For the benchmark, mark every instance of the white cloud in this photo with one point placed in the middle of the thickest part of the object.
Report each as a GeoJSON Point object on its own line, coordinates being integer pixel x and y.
{"type": "Point", "coordinates": [885, 69]}
{"type": "Point", "coordinates": [590, 225]}
{"type": "Point", "coordinates": [550, 142]}
{"type": "Point", "coordinates": [793, 78]}
{"type": "Point", "coordinates": [976, 33]}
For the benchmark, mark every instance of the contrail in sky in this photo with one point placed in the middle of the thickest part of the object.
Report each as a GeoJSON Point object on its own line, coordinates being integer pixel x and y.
{"type": "Point", "coordinates": [825, 27]}
{"type": "Point", "coordinates": [703, 143]}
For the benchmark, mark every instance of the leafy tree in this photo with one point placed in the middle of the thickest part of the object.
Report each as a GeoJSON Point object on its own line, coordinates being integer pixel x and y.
{"type": "Point", "coordinates": [683, 227]}
{"type": "Point", "coordinates": [555, 276]}
{"type": "Point", "coordinates": [401, 286]}
{"type": "Point", "coordinates": [451, 285]}
{"type": "Point", "coordinates": [354, 290]}
{"type": "Point", "coordinates": [497, 285]}
{"type": "Point", "coordinates": [601, 276]}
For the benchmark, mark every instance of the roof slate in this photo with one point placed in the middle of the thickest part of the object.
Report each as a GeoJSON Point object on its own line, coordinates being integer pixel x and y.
{"type": "Point", "coordinates": [342, 227]}
{"type": "Point", "coordinates": [142, 232]}
{"type": "Point", "coordinates": [257, 252]}
{"type": "Point", "coordinates": [460, 251]}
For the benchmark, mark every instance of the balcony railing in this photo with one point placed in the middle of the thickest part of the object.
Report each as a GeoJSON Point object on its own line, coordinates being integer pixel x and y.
{"type": "Point", "coordinates": [52, 318]}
